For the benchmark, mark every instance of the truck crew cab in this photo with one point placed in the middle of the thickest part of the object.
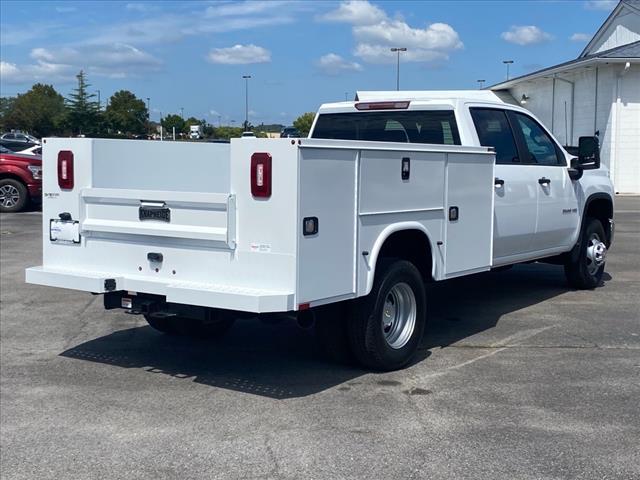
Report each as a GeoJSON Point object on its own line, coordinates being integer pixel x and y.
{"type": "Point", "coordinates": [344, 227]}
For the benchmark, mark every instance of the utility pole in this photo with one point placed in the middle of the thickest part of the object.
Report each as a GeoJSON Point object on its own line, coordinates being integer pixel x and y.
{"type": "Point", "coordinates": [507, 63]}
{"type": "Point", "coordinates": [149, 114]}
{"type": "Point", "coordinates": [182, 112]}
{"type": "Point", "coordinates": [345, 96]}
{"type": "Point", "coordinates": [99, 105]}
{"type": "Point", "coordinates": [480, 83]}
{"type": "Point", "coordinates": [398, 50]}
{"type": "Point", "coordinates": [246, 101]}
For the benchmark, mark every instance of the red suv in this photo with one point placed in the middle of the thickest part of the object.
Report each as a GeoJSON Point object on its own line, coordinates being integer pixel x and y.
{"type": "Point", "coordinates": [20, 180]}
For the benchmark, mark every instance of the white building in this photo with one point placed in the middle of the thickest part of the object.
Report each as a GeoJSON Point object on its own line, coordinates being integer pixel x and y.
{"type": "Point", "coordinates": [598, 92]}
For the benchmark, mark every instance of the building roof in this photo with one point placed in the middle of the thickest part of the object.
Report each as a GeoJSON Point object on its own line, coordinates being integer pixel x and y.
{"type": "Point", "coordinates": [634, 5]}
{"type": "Point", "coordinates": [623, 53]}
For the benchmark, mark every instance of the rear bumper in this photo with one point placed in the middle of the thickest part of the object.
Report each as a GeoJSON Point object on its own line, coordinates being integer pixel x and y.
{"type": "Point", "coordinates": [188, 293]}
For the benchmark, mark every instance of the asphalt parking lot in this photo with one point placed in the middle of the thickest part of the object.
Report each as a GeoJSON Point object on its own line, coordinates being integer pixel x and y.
{"type": "Point", "coordinates": [518, 378]}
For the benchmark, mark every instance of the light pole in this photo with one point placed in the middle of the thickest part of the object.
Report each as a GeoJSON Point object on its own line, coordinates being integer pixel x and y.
{"type": "Point", "coordinates": [507, 63]}
{"type": "Point", "coordinates": [480, 83]}
{"type": "Point", "coordinates": [398, 50]}
{"type": "Point", "coordinates": [99, 105]}
{"type": "Point", "coordinates": [345, 96]}
{"type": "Point", "coordinates": [182, 112]}
{"type": "Point", "coordinates": [246, 101]}
{"type": "Point", "coordinates": [149, 115]}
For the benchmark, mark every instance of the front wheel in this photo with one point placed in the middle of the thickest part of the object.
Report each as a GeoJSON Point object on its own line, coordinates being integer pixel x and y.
{"type": "Point", "coordinates": [585, 272]}
{"type": "Point", "coordinates": [387, 325]}
{"type": "Point", "coordinates": [14, 195]}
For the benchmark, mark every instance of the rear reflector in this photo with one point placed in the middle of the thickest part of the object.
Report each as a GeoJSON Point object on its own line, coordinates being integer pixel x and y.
{"type": "Point", "coordinates": [65, 169]}
{"type": "Point", "coordinates": [382, 105]}
{"type": "Point", "coordinates": [261, 175]}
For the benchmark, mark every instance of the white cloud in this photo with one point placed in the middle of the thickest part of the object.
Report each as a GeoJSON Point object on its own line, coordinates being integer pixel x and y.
{"type": "Point", "coordinates": [333, 64]}
{"type": "Point", "coordinates": [62, 64]}
{"type": "Point", "coordinates": [214, 113]}
{"type": "Point", "coordinates": [382, 54]}
{"type": "Point", "coordinates": [356, 12]}
{"type": "Point", "coordinates": [580, 37]}
{"type": "Point", "coordinates": [600, 4]}
{"type": "Point", "coordinates": [239, 55]}
{"type": "Point", "coordinates": [10, 73]}
{"type": "Point", "coordinates": [434, 42]}
{"type": "Point", "coordinates": [141, 7]}
{"type": "Point", "coordinates": [437, 36]}
{"type": "Point", "coordinates": [525, 35]}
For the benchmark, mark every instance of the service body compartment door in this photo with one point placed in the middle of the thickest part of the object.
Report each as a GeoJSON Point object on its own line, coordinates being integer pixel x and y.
{"type": "Point", "coordinates": [468, 214]}
{"type": "Point", "coordinates": [326, 259]}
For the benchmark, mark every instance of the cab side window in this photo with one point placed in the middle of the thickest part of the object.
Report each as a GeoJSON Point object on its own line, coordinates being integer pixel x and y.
{"type": "Point", "coordinates": [540, 147]}
{"type": "Point", "coordinates": [494, 131]}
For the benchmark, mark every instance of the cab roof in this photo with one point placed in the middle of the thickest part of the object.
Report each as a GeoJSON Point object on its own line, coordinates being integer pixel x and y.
{"type": "Point", "coordinates": [421, 99]}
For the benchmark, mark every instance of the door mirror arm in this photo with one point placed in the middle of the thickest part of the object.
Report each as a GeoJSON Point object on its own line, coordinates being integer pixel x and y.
{"type": "Point", "coordinates": [575, 170]}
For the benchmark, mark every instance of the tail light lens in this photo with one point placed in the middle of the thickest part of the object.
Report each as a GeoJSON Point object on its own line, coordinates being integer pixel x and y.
{"type": "Point", "coordinates": [65, 169]}
{"type": "Point", "coordinates": [261, 175]}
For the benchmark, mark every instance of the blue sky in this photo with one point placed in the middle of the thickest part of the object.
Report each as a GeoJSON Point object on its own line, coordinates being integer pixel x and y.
{"type": "Point", "coordinates": [192, 55]}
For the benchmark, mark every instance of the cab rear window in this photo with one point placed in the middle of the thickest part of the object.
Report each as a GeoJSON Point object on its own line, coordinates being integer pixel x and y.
{"type": "Point", "coordinates": [431, 126]}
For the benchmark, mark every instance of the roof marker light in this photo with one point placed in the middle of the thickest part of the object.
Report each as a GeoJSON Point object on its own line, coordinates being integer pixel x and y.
{"type": "Point", "coordinates": [382, 105]}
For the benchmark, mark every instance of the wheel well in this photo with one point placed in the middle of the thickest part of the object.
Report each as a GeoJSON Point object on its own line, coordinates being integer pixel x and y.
{"type": "Point", "coordinates": [12, 177]}
{"type": "Point", "coordinates": [410, 245]}
{"type": "Point", "coordinates": [602, 209]}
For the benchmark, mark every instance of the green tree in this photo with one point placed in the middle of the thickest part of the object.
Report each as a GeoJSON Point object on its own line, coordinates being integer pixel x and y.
{"type": "Point", "coordinates": [171, 121]}
{"type": "Point", "coordinates": [40, 111]}
{"type": "Point", "coordinates": [126, 113]}
{"type": "Point", "coordinates": [303, 123]}
{"type": "Point", "coordinates": [228, 132]}
{"type": "Point", "coordinates": [6, 109]}
{"type": "Point", "coordinates": [82, 111]}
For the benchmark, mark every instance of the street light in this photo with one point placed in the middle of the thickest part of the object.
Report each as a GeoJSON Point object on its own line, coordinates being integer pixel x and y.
{"type": "Point", "coordinates": [246, 101]}
{"type": "Point", "coordinates": [345, 96]}
{"type": "Point", "coordinates": [507, 63]}
{"type": "Point", "coordinates": [480, 83]}
{"type": "Point", "coordinates": [182, 112]}
{"type": "Point", "coordinates": [398, 50]}
{"type": "Point", "coordinates": [99, 105]}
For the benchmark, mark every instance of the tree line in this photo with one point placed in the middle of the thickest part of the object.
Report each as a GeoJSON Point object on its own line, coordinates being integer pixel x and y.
{"type": "Point", "coordinates": [42, 112]}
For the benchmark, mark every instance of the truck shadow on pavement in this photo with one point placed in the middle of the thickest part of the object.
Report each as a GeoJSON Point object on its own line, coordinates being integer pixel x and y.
{"type": "Point", "coordinates": [284, 361]}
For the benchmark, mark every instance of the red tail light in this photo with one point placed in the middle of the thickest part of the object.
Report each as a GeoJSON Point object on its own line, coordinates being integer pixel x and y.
{"type": "Point", "coordinates": [261, 175]}
{"type": "Point", "coordinates": [65, 169]}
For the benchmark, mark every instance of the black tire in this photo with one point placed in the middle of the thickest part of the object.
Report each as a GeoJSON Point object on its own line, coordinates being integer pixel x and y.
{"type": "Point", "coordinates": [583, 273]}
{"type": "Point", "coordinates": [368, 336]}
{"type": "Point", "coordinates": [14, 196]}
{"type": "Point", "coordinates": [331, 331]}
{"type": "Point", "coordinates": [162, 324]}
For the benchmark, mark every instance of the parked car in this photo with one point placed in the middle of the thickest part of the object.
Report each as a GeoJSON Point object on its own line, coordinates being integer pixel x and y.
{"type": "Point", "coordinates": [16, 141]}
{"type": "Point", "coordinates": [248, 135]}
{"type": "Point", "coordinates": [20, 180]}
{"type": "Point", "coordinates": [289, 132]}
{"type": "Point", "coordinates": [342, 228]}
{"type": "Point", "coordinates": [34, 150]}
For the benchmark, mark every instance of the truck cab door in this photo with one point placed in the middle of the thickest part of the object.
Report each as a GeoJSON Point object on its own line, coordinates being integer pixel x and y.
{"type": "Point", "coordinates": [515, 201]}
{"type": "Point", "coordinates": [557, 213]}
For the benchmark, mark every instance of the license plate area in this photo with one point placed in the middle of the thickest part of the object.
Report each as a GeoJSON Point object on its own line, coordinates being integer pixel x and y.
{"type": "Point", "coordinates": [64, 231]}
{"type": "Point", "coordinates": [154, 212]}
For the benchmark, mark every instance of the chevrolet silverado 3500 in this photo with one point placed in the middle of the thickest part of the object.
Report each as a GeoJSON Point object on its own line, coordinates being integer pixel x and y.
{"type": "Point", "coordinates": [388, 192]}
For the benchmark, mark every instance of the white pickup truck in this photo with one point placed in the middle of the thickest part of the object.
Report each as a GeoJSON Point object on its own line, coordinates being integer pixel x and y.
{"type": "Point", "coordinates": [344, 227]}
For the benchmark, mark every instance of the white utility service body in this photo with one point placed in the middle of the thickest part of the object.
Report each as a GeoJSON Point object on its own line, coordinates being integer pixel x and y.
{"type": "Point", "coordinates": [224, 248]}
{"type": "Point", "coordinates": [389, 191]}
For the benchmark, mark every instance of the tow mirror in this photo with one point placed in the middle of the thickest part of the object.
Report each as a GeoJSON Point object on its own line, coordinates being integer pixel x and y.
{"type": "Point", "coordinates": [588, 153]}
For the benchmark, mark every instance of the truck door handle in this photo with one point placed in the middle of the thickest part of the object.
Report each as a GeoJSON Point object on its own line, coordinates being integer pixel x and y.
{"type": "Point", "coordinates": [544, 181]}
{"type": "Point", "coordinates": [498, 182]}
